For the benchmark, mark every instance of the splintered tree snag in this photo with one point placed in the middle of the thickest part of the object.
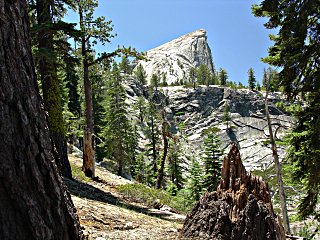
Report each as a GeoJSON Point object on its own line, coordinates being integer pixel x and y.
{"type": "Point", "coordinates": [241, 207]}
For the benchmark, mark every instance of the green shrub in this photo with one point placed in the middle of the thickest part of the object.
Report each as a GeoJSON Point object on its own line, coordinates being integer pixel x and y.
{"type": "Point", "coordinates": [144, 194]}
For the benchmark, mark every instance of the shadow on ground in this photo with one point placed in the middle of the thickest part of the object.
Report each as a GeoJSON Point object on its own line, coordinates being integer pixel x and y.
{"type": "Point", "coordinates": [85, 190]}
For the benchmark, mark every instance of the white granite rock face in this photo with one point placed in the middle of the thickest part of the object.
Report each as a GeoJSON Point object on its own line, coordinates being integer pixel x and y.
{"type": "Point", "coordinates": [175, 58]}
{"type": "Point", "coordinates": [203, 108]}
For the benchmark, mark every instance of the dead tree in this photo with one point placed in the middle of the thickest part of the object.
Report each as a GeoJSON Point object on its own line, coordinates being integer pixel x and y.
{"type": "Point", "coordinates": [241, 207]}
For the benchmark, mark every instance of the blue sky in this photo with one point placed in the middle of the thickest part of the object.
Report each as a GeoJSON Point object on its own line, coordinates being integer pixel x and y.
{"type": "Point", "coordinates": [237, 39]}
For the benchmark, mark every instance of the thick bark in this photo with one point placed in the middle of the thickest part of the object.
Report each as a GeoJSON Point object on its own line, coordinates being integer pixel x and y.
{"type": "Point", "coordinates": [240, 209]}
{"type": "Point", "coordinates": [282, 196]}
{"type": "Point", "coordinates": [163, 156]}
{"type": "Point", "coordinates": [88, 150]}
{"type": "Point", "coordinates": [50, 86]}
{"type": "Point", "coordinates": [34, 202]}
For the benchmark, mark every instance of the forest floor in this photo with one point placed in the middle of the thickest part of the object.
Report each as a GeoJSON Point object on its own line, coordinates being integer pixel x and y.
{"type": "Point", "coordinates": [104, 213]}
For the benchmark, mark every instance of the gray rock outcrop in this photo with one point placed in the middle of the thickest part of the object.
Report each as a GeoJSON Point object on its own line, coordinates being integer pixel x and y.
{"type": "Point", "coordinates": [175, 58]}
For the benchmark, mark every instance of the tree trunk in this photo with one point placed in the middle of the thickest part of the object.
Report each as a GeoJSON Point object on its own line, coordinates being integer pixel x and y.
{"type": "Point", "coordinates": [50, 86]}
{"type": "Point", "coordinates": [34, 201]}
{"type": "Point", "coordinates": [164, 155]}
{"type": "Point", "coordinates": [88, 150]}
{"type": "Point", "coordinates": [283, 203]}
{"type": "Point", "coordinates": [154, 151]}
{"type": "Point", "coordinates": [240, 209]}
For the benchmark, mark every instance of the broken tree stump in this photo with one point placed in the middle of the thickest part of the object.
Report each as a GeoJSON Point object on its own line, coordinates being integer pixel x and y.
{"type": "Point", "coordinates": [240, 209]}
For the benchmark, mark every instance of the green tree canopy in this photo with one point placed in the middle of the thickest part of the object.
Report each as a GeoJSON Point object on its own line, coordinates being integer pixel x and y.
{"type": "Point", "coordinates": [296, 51]}
{"type": "Point", "coordinates": [251, 79]}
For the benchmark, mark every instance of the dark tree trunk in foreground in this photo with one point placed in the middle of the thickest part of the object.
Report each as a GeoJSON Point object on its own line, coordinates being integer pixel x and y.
{"type": "Point", "coordinates": [50, 85]}
{"type": "Point", "coordinates": [34, 203]}
{"type": "Point", "coordinates": [240, 209]}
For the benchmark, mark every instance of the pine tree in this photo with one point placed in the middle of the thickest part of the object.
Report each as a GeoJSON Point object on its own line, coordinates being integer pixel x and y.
{"type": "Point", "coordinates": [223, 77]}
{"type": "Point", "coordinates": [154, 82]}
{"type": "Point", "coordinates": [195, 183]}
{"type": "Point", "coordinates": [264, 78]}
{"type": "Point", "coordinates": [296, 51]}
{"type": "Point", "coordinates": [192, 76]}
{"type": "Point", "coordinates": [100, 31]}
{"type": "Point", "coordinates": [153, 136]}
{"type": "Point", "coordinates": [47, 66]}
{"type": "Point", "coordinates": [175, 163]}
{"type": "Point", "coordinates": [226, 115]}
{"type": "Point", "coordinates": [211, 159]}
{"type": "Point", "coordinates": [251, 79]}
{"type": "Point", "coordinates": [141, 74]}
{"type": "Point", "coordinates": [125, 65]}
{"type": "Point", "coordinates": [203, 75]}
{"type": "Point", "coordinates": [117, 131]}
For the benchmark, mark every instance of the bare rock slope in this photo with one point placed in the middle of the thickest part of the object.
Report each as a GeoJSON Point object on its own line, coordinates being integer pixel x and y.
{"type": "Point", "coordinates": [175, 58]}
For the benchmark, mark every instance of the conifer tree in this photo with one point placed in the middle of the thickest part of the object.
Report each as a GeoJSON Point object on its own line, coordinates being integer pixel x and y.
{"type": "Point", "coordinates": [264, 78]}
{"type": "Point", "coordinates": [175, 163]}
{"type": "Point", "coordinates": [153, 136]}
{"type": "Point", "coordinates": [296, 51]}
{"type": "Point", "coordinates": [223, 77]}
{"type": "Point", "coordinates": [251, 79]}
{"type": "Point", "coordinates": [195, 183]}
{"type": "Point", "coordinates": [192, 76]}
{"type": "Point", "coordinates": [203, 75]}
{"type": "Point", "coordinates": [226, 115]}
{"type": "Point", "coordinates": [154, 82]}
{"type": "Point", "coordinates": [46, 57]}
{"type": "Point", "coordinates": [125, 65]}
{"type": "Point", "coordinates": [141, 74]}
{"type": "Point", "coordinates": [118, 130]}
{"type": "Point", "coordinates": [211, 159]}
{"type": "Point", "coordinates": [93, 30]}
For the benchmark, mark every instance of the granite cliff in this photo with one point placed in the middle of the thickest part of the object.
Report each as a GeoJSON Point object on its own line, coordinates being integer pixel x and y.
{"type": "Point", "coordinates": [175, 58]}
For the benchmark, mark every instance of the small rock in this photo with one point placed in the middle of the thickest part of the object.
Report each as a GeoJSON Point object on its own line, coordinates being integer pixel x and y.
{"type": "Point", "coordinates": [100, 238]}
{"type": "Point", "coordinates": [129, 225]}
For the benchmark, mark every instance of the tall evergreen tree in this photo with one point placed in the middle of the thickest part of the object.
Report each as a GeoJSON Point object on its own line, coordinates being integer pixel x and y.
{"type": "Point", "coordinates": [192, 76]}
{"type": "Point", "coordinates": [153, 136]}
{"type": "Point", "coordinates": [195, 183]}
{"type": "Point", "coordinates": [226, 115]}
{"type": "Point", "coordinates": [118, 130]}
{"type": "Point", "coordinates": [203, 75]}
{"type": "Point", "coordinates": [47, 63]}
{"type": "Point", "coordinates": [125, 65]}
{"type": "Point", "coordinates": [251, 79]}
{"type": "Point", "coordinates": [264, 78]}
{"type": "Point", "coordinates": [223, 77]}
{"type": "Point", "coordinates": [141, 74]}
{"type": "Point", "coordinates": [175, 163]}
{"type": "Point", "coordinates": [211, 159]}
{"type": "Point", "coordinates": [296, 51]}
{"type": "Point", "coordinates": [155, 81]}
{"type": "Point", "coordinates": [93, 30]}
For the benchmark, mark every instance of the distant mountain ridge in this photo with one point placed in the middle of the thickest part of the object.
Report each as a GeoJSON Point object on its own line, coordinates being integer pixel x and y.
{"type": "Point", "coordinates": [174, 59]}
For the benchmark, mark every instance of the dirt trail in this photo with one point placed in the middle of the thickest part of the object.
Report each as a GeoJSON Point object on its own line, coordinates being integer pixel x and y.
{"type": "Point", "coordinates": [105, 213]}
